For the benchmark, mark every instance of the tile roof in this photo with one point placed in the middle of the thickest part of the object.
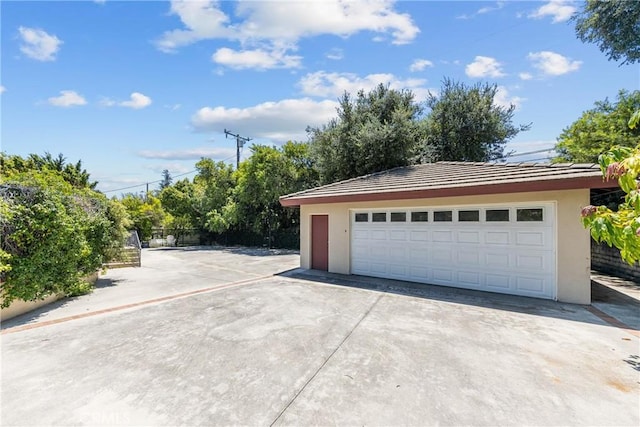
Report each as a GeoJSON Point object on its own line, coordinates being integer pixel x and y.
{"type": "Point", "coordinates": [443, 179]}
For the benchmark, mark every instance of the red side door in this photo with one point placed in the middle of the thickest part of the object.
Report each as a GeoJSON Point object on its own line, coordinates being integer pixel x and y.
{"type": "Point", "coordinates": [320, 242]}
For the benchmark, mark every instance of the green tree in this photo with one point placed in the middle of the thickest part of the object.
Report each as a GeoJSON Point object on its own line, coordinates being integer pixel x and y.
{"type": "Point", "coordinates": [146, 213]}
{"type": "Point", "coordinates": [261, 180]}
{"type": "Point", "coordinates": [465, 124]}
{"type": "Point", "coordinates": [619, 228]}
{"type": "Point", "coordinates": [178, 201]}
{"type": "Point", "coordinates": [74, 174]}
{"type": "Point", "coordinates": [600, 129]}
{"type": "Point", "coordinates": [301, 167]}
{"type": "Point", "coordinates": [267, 174]}
{"type": "Point", "coordinates": [53, 233]}
{"type": "Point", "coordinates": [212, 187]}
{"type": "Point", "coordinates": [375, 131]}
{"type": "Point", "coordinates": [166, 179]}
{"type": "Point", "coordinates": [613, 25]}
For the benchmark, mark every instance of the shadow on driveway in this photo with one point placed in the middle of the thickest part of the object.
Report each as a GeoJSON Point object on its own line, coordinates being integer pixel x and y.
{"type": "Point", "coordinates": [36, 315]}
{"type": "Point", "coordinates": [628, 309]}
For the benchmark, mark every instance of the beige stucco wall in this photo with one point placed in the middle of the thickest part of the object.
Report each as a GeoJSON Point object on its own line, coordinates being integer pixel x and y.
{"type": "Point", "coordinates": [573, 250]}
{"type": "Point", "coordinates": [19, 307]}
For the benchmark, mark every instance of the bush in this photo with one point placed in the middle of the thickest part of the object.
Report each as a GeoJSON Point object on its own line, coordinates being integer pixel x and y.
{"type": "Point", "coordinates": [53, 235]}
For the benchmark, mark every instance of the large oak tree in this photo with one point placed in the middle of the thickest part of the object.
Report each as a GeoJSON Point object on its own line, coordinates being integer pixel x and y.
{"type": "Point", "coordinates": [466, 124]}
{"type": "Point", "coordinates": [374, 131]}
{"type": "Point", "coordinates": [614, 25]}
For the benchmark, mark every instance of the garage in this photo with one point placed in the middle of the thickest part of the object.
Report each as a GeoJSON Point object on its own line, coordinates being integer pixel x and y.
{"type": "Point", "coordinates": [500, 248]}
{"type": "Point", "coordinates": [509, 228]}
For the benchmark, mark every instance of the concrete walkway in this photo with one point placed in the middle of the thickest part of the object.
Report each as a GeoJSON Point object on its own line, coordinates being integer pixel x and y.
{"type": "Point", "coordinates": [618, 298]}
{"type": "Point", "coordinates": [167, 272]}
{"type": "Point", "coordinates": [214, 345]}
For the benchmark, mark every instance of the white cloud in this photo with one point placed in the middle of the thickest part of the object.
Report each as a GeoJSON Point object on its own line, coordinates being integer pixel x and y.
{"type": "Point", "coordinates": [560, 10]}
{"type": "Point", "coordinates": [39, 45]}
{"type": "Point", "coordinates": [335, 54]}
{"type": "Point", "coordinates": [420, 64]}
{"type": "Point", "coordinates": [173, 107]}
{"type": "Point", "coordinates": [525, 76]}
{"type": "Point", "coordinates": [504, 99]}
{"type": "Point", "coordinates": [202, 20]}
{"type": "Point", "coordinates": [136, 101]}
{"type": "Point", "coordinates": [499, 5]}
{"type": "Point", "coordinates": [333, 85]}
{"type": "Point", "coordinates": [486, 9]}
{"type": "Point", "coordinates": [2, 89]}
{"type": "Point", "coordinates": [484, 66]}
{"type": "Point", "coordinates": [188, 154]}
{"type": "Point", "coordinates": [552, 63]}
{"type": "Point", "coordinates": [292, 20]}
{"type": "Point", "coordinates": [67, 98]}
{"type": "Point", "coordinates": [278, 121]}
{"type": "Point", "coordinates": [280, 25]}
{"type": "Point", "coordinates": [258, 59]}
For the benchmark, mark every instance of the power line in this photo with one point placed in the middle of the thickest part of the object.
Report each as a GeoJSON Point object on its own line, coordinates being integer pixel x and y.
{"type": "Point", "coordinates": [127, 188]}
{"type": "Point", "coordinates": [530, 152]}
{"type": "Point", "coordinates": [147, 183]}
{"type": "Point", "coordinates": [159, 180]}
{"type": "Point", "coordinates": [537, 160]}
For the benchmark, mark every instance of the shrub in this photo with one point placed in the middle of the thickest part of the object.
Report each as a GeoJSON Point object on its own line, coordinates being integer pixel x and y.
{"type": "Point", "coordinates": [53, 234]}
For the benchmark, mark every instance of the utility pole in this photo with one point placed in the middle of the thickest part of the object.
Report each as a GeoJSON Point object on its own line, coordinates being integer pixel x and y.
{"type": "Point", "coordinates": [240, 141]}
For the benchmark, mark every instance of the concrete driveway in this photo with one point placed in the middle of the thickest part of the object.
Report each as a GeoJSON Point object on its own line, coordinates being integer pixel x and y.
{"type": "Point", "coordinates": [210, 337]}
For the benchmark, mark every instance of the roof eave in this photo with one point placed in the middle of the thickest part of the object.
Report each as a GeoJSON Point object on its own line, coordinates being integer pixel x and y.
{"type": "Point", "coordinates": [499, 188]}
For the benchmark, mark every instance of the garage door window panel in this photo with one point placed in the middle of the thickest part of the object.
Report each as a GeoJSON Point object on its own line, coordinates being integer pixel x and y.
{"type": "Point", "coordinates": [422, 216]}
{"type": "Point", "coordinates": [398, 217]}
{"type": "Point", "coordinates": [442, 216]}
{"type": "Point", "coordinates": [469, 216]}
{"type": "Point", "coordinates": [497, 215]}
{"type": "Point", "coordinates": [379, 217]}
{"type": "Point", "coordinates": [530, 215]}
{"type": "Point", "coordinates": [362, 217]}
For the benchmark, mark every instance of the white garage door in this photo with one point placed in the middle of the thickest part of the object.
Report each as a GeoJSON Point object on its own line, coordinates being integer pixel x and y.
{"type": "Point", "coordinates": [497, 248]}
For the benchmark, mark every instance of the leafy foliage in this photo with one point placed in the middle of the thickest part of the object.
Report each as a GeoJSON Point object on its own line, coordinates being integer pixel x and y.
{"type": "Point", "coordinates": [71, 173]}
{"type": "Point", "coordinates": [53, 233]}
{"type": "Point", "coordinates": [268, 174]}
{"type": "Point", "coordinates": [213, 186]}
{"type": "Point", "coordinates": [619, 228]}
{"type": "Point", "coordinates": [600, 129]}
{"type": "Point", "coordinates": [375, 131]}
{"type": "Point", "coordinates": [178, 201]}
{"type": "Point", "coordinates": [145, 213]}
{"type": "Point", "coordinates": [465, 124]}
{"type": "Point", "coordinates": [614, 25]}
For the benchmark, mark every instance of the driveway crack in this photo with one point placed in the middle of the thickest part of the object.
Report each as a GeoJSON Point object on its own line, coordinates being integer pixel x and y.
{"type": "Point", "coordinates": [366, 313]}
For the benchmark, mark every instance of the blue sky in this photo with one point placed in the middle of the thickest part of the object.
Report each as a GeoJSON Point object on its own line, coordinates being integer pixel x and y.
{"type": "Point", "coordinates": [132, 88]}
